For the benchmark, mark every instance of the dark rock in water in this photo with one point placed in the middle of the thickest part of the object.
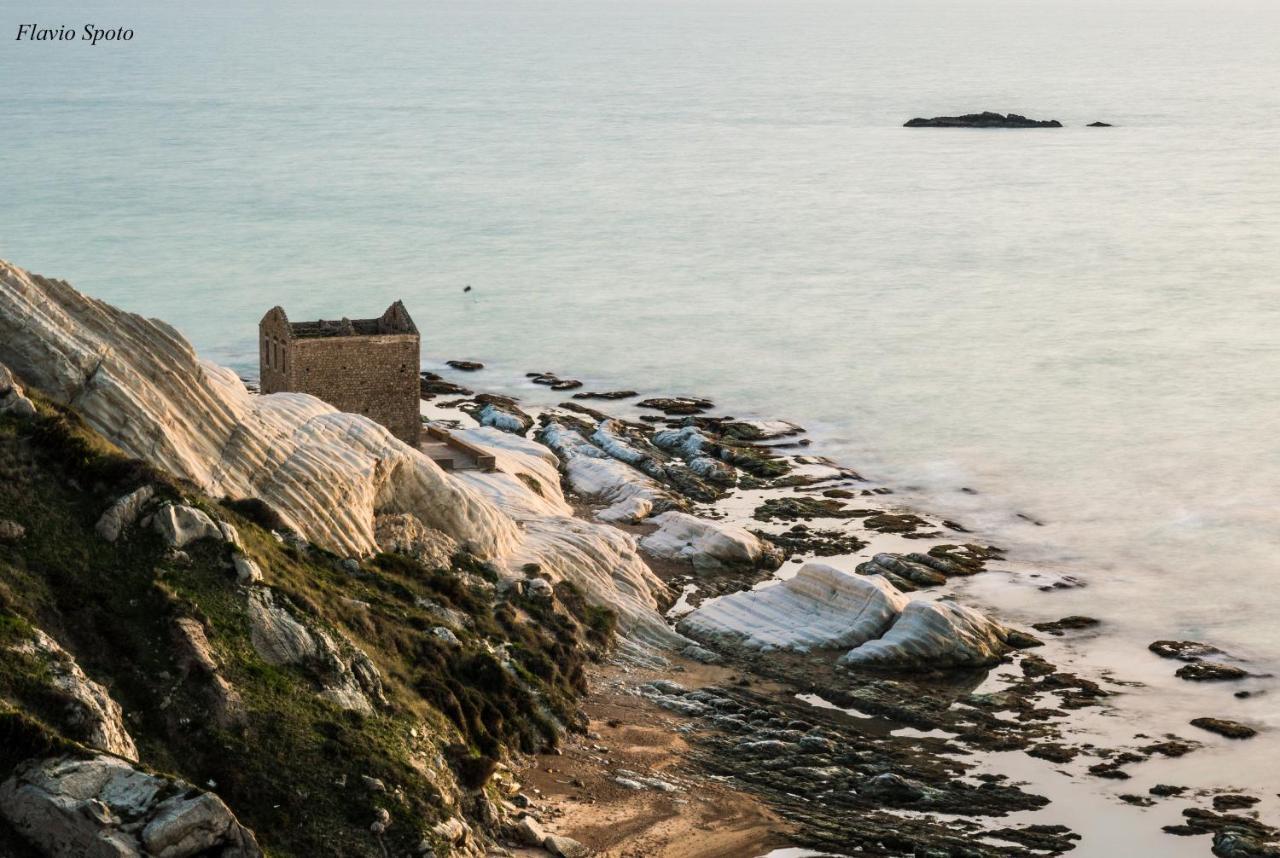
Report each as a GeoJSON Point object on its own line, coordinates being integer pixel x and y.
{"type": "Point", "coordinates": [1223, 727]}
{"type": "Point", "coordinates": [1099, 125]}
{"type": "Point", "coordinates": [986, 119]}
{"type": "Point", "coordinates": [432, 385]}
{"type": "Point", "coordinates": [1057, 627]}
{"type": "Point", "coordinates": [607, 394]}
{"type": "Point", "coordinates": [677, 404]}
{"type": "Point", "coordinates": [1233, 801]}
{"type": "Point", "coordinates": [1166, 790]}
{"type": "Point", "coordinates": [1209, 671]}
{"type": "Point", "coordinates": [1184, 650]}
{"type": "Point", "coordinates": [1137, 800]}
{"type": "Point", "coordinates": [893, 788]}
{"type": "Point", "coordinates": [465, 365]}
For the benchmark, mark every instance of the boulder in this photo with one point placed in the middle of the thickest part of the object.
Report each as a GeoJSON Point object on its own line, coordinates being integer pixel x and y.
{"type": "Point", "coordinates": [247, 569]}
{"type": "Point", "coordinates": [181, 525]}
{"type": "Point", "coordinates": [820, 608]}
{"type": "Point", "coordinates": [934, 634]}
{"type": "Point", "coordinates": [123, 513]}
{"type": "Point", "coordinates": [707, 544]}
{"type": "Point", "coordinates": [13, 399]}
{"type": "Point", "coordinates": [404, 533]}
{"type": "Point", "coordinates": [564, 847]}
{"type": "Point", "coordinates": [102, 807]}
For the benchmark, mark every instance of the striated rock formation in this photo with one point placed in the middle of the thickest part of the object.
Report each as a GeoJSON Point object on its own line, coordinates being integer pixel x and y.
{"type": "Point", "coordinates": [707, 544]}
{"type": "Point", "coordinates": [825, 608]}
{"type": "Point", "coordinates": [935, 634]}
{"type": "Point", "coordinates": [821, 607]}
{"type": "Point", "coordinates": [102, 807]}
{"type": "Point", "coordinates": [327, 474]}
{"type": "Point", "coordinates": [987, 119]}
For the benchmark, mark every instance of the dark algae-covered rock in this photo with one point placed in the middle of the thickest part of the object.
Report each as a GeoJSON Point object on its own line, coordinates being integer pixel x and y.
{"type": "Point", "coordinates": [1224, 727]}
{"type": "Point", "coordinates": [986, 119]}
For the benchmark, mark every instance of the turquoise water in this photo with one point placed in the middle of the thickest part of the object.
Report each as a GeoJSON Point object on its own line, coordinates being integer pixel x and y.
{"type": "Point", "coordinates": [717, 197]}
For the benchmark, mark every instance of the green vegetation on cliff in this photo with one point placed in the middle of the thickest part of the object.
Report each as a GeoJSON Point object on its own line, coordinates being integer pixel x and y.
{"type": "Point", "coordinates": [471, 669]}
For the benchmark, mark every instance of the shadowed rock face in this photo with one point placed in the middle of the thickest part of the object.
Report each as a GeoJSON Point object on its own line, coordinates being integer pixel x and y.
{"type": "Point", "coordinates": [986, 119]}
{"type": "Point", "coordinates": [102, 806]}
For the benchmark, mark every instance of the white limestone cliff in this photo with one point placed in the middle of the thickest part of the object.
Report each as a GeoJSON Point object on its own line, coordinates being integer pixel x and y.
{"type": "Point", "coordinates": [329, 475]}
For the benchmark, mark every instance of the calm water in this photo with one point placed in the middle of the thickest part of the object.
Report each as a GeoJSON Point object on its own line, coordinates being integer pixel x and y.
{"type": "Point", "coordinates": [716, 197]}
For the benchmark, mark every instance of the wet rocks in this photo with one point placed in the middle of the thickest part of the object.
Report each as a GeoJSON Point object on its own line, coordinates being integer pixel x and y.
{"type": "Point", "coordinates": [802, 539]}
{"type": "Point", "coordinates": [916, 570]}
{"type": "Point", "coordinates": [500, 412]}
{"type": "Point", "coordinates": [1058, 627]}
{"type": "Point", "coordinates": [1225, 727]}
{"type": "Point", "coordinates": [1184, 650]}
{"type": "Point", "coordinates": [677, 404]}
{"type": "Point", "coordinates": [806, 508]}
{"type": "Point", "coordinates": [986, 119]}
{"type": "Point", "coordinates": [1210, 671]}
{"type": "Point", "coordinates": [431, 385]}
{"type": "Point", "coordinates": [465, 365]}
{"type": "Point", "coordinates": [820, 607]}
{"type": "Point", "coordinates": [553, 381]}
{"type": "Point", "coordinates": [1098, 125]}
{"type": "Point", "coordinates": [102, 806]}
{"type": "Point", "coordinates": [606, 394]}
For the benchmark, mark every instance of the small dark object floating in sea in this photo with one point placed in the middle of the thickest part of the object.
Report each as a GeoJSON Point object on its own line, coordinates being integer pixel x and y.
{"type": "Point", "coordinates": [986, 119]}
{"type": "Point", "coordinates": [465, 365]}
{"type": "Point", "coordinates": [1099, 125]}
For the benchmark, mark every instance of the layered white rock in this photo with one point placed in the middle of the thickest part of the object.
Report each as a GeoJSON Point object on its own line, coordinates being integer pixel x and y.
{"type": "Point", "coordinates": [599, 477]}
{"type": "Point", "coordinates": [105, 808]}
{"type": "Point", "coordinates": [934, 634]}
{"type": "Point", "coordinates": [705, 543]}
{"type": "Point", "coordinates": [328, 474]}
{"type": "Point", "coordinates": [182, 525]}
{"type": "Point", "coordinates": [819, 608]}
{"type": "Point", "coordinates": [91, 715]}
{"type": "Point", "coordinates": [123, 513]}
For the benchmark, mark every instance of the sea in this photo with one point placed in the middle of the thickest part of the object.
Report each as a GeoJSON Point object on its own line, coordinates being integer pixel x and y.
{"type": "Point", "coordinates": [1068, 339]}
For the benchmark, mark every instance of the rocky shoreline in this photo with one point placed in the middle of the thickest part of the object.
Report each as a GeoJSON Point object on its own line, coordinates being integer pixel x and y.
{"type": "Point", "coordinates": [861, 748]}
{"type": "Point", "coordinates": [210, 582]}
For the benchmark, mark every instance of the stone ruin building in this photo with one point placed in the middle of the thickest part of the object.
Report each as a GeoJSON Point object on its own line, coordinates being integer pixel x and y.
{"type": "Point", "coordinates": [362, 366]}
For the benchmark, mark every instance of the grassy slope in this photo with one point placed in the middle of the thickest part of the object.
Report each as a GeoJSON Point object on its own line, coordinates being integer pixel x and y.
{"type": "Point", "coordinates": [453, 711]}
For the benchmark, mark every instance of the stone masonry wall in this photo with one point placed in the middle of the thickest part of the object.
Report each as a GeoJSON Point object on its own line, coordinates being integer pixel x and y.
{"type": "Point", "coordinates": [376, 376]}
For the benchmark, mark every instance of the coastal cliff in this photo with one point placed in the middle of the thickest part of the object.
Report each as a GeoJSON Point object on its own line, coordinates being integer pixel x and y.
{"type": "Point", "coordinates": [243, 624]}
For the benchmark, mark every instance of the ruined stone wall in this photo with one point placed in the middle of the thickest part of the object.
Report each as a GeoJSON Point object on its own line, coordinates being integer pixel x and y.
{"type": "Point", "coordinates": [273, 347]}
{"type": "Point", "coordinates": [376, 376]}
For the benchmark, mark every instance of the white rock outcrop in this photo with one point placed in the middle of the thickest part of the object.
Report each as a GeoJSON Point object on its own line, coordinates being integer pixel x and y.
{"type": "Point", "coordinates": [819, 608]}
{"type": "Point", "coordinates": [102, 807]}
{"type": "Point", "coordinates": [705, 543]}
{"type": "Point", "coordinates": [935, 634]}
{"type": "Point", "coordinates": [181, 525]}
{"type": "Point", "coordinates": [13, 399]}
{"type": "Point", "coordinates": [91, 715]}
{"type": "Point", "coordinates": [329, 475]}
{"type": "Point", "coordinates": [123, 513]}
{"type": "Point", "coordinates": [598, 476]}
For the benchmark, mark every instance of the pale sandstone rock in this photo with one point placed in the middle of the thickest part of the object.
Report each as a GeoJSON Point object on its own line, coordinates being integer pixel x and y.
{"type": "Point", "coordinates": [935, 634]}
{"type": "Point", "coordinates": [13, 400]}
{"type": "Point", "coordinates": [182, 525]}
{"type": "Point", "coordinates": [123, 513]}
{"type": "Point", "coordinates": [564, 847]}
{"type": "Point", "coordinates": [328, 474]}
{"type": "Point", "coordinates": [403, 533]}
{"type": "Point", "coordinates": [599, 477]}
{"type": "Point", "coordinates": [820, 608]}
{"type": "Point", "coordinates": [629, 511]}
{"type": "Point", "coordinates": [103, 807]}
{"type": "Point", "coordinates": [91, 715]}
{"type": "Point", "coordinates": [706, 544]}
